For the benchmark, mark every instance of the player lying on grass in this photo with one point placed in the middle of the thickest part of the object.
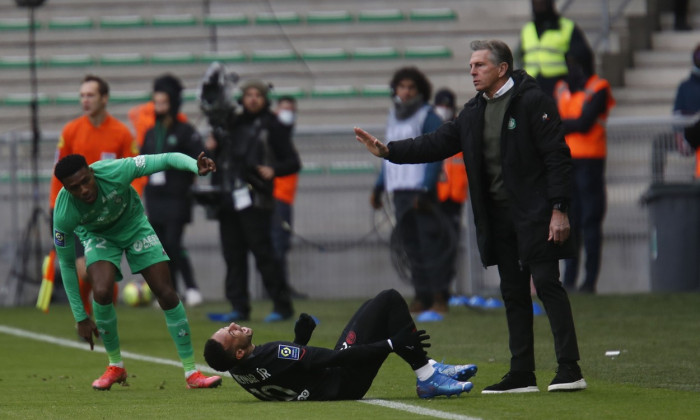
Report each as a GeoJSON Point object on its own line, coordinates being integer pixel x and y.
{"type": "Point", "coordinates": [288, 371]}
{"type": "Point", "coordinates": [98, 203]}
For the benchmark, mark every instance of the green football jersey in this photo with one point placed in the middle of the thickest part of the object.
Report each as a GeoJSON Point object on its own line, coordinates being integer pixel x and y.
{"type": "Point", "coordinates": [115, 215]}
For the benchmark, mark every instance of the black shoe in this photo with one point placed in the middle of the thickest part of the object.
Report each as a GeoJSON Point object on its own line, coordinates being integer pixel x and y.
{"type": "Point", "coordinates": [568, 378]}
{"type": "Point", "coordinates": [514, 382]}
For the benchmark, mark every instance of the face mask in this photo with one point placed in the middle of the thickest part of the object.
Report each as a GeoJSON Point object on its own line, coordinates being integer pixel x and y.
{"type": "Point", "coordinates": [286, 117]}
{"type": "Point", "coordinates": [445, 113]}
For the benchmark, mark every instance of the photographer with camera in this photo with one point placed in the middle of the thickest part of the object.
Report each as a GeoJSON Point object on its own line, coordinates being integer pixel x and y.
{"type": "Point", "coordinates": [250, 147]}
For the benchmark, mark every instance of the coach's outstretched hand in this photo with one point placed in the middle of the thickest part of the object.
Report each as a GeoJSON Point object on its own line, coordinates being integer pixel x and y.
{"type": "Point", "coordinates": [205, 165]}
{"type": "Point", "coordinates": [376, 147]}
{"type": "Point", "coordinates": [303, 328]}
{"type": "Point", "coordinates": [409, 339]}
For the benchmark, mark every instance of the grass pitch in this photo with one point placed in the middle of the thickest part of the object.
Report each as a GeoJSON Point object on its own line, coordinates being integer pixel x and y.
{"type": "Point", "coordinates": [656, 375]}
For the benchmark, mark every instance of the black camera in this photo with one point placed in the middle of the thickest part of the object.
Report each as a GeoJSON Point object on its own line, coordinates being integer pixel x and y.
{"type": "Point", "coordinates": [216, 97]}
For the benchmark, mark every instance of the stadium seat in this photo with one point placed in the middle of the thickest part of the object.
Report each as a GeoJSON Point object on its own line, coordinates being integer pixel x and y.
{"type": "Point", "coordinates": [223, 56]}
{"type": "Point", "coordinates": [333, 92]}
{"type": "Point", "coordinates": [189, 95]}
{"type": "Point", "coordinates": [376, 91]}
{"type": "Point", "coordinates": [119, 22]}
{"type": "Point", "coordinates": [71, 22]}
{"type": "Point", "coordinates": [294, 92]}
{"type": "Point", "coordinates": [232, 19]}
{"type": "Point", "coordinates": [380, 16]}
{"type": "Point", "coordinates": [432, 14]}
{"type": "Point", "coordinates": [69, 60]}
{"type": "Point", "coordinates": [325, 54]}
{"type": "Point", "coordinates": [274, 55]}
{"type": "Point", "coordinates": [129, 96]}
{"type": "Point", "coordinates": [17, 24]}
{"type": "Point", "coordinates": [427, 52]}
{"type": "Point", "coordinates": [344, 168]}
{"type": "Point", "coordinates": [173, 58]}
{"type": "Point", "coordinates": [173, 20]}
{"type": "Point", "coordinates": [121, 59]}
{"type": "Point", "coordinates": [24, 99]}
{"type": "Point", "coordinates": [326, 16]}
{"type": "Point", "coordinates": [16, 62]}
{"type": "Point", "coordinates": [282, 18]}
{"type": "Point", "coordinates": [312, 168]}
{"type": "Point", "coordinates": [375, 53]}
{"type": "Point", "coordinates": [66, 98]}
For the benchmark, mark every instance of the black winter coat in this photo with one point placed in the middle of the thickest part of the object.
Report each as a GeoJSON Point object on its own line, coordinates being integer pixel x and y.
{"type": "Point", "coordinates": [537, 167]}
{"type": "Point", "coordinates": [171, 201]}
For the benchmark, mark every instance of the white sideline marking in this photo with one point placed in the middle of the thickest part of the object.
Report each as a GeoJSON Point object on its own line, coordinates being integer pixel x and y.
{"type": "Point", "coordinates": [418, 410]}
{"type": "Point", "coordinates": [143, 358]}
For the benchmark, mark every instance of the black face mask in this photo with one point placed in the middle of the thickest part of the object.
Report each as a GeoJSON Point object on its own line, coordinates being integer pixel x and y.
{"type": "Point", "coordinates": [408, 108]}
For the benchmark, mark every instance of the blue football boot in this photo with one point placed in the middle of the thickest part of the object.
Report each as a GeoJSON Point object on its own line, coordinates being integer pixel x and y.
{"type": "Point", "coordinates": [439, 384]}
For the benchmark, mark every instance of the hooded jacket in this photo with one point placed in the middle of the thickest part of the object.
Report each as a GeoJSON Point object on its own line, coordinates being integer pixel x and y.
{"type": "Point", "coordinates": [536, 163]}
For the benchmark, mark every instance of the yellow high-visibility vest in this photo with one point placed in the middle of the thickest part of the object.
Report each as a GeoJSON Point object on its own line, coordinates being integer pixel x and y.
{"type": "Point", "coordinates": [546, 55]}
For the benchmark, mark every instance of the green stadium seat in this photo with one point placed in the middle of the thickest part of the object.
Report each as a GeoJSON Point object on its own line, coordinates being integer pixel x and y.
{"type": "Point", "coordinates": [325, 54]}
{"type": "Point", "coordinates": [282, 18]}
{"type": "Point", "coordinates": [223, 56]}
{"type": "Point", "coordinates": [334, 92]}
{"type": "Point", "coordinates": [380, 16]}
{"type": "Point", "coordinates": [232, 19]}
{"type": "Point", "coordinates": [24, 99]}
{"type": "Point", "coordinates": [427, 52]}
{"type": "Point", "coordinates": [130, 96]}
{"type": "Point", "coordinates": [312, 168]}
{"type": "Point", "coordinates": [190, 95]}
{"type": "Point", "coordinates": [16, 62]}
{"type": "Point", "coordinates": [119, 22]}
{"type": "Point", "coordinates": [274, 55]}
{"type": "Point", "coordinates": [20, 24]}
{"type": "Point", "coordinates": [328, 16]}
{"type": "Point", "coordinates": [346, 168]}
{"type": "Point", "coordinates": [122, 59]}
{"type": "Point", "coordinates": [66, 98]}
{"type": "Point", "coordinates": [174, 20]}
{"type": "Point", "coordinates": [71, 22]}
{"type": "Point", "coordinates": [294, 92]}
{"type": "Point", "coordinates": [173, 58]}
{"type": "Point", "coordinates": [376, 53]}
{"type": "Point", "coordinates": [432, 14]}
{"type": "Point", "coordinates": [70, 60]}
{"type": "Point", "coordinates": [376, 91]}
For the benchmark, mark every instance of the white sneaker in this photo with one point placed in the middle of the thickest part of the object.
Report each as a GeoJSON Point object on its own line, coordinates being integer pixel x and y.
{"type": "Point", "coordinates": [193, 297]}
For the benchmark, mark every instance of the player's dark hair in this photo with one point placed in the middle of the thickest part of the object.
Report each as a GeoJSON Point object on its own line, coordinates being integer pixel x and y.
{"type": "Point", "coordinates": [217, 358]}
{"type": "Point", "coordinates": [102, 85]}
{"type": "Point", "coordinates": [423, 85]}
{"type": "Point", "coordinates": [68, 166]}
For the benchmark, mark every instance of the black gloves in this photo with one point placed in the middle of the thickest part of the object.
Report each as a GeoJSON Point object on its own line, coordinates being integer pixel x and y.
{"type": "Point", "coordinates": [303, 328]}
{"type": "Point", "coordinates": [409, 340]}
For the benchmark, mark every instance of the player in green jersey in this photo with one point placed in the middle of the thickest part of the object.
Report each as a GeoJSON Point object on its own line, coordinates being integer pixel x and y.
{"type": "Point", "coordinates": [98, 203]}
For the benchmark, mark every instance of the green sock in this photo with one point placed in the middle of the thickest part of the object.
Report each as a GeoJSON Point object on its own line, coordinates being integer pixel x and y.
{"type": "Point", "coordinates": [106, 321]}
{"type": "Point", "coordinates": [179, 329]}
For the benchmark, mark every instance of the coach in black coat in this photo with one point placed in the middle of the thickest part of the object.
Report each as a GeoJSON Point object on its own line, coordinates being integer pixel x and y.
{"type": "Point", "coordinates": [519, 169]}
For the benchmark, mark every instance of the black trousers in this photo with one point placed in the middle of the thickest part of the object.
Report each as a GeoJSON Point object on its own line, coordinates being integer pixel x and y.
{"type": "Point", "coordinates": [249, 230]}
{"type": "Point", "coordinates": [170, 235]}
{"type": "Point", "coordinates": [515, 289]}
{"type": "Point", "coordinates": [587, 211]}
{"type": "Point", "coordinates": [377, 319]}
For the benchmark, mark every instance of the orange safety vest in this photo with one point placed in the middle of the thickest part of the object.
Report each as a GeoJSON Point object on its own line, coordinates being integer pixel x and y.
{"type": "Point", "coordinates": [591, 144]}
{"type": "Point", "coordinates": [453, 184]}
{"type": "Point", "coordinates": [285, 188]}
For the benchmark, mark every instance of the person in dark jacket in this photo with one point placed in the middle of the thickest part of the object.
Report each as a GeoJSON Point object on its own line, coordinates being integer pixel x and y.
{"type": "Point", "coordinates": [254, 148]}
{"type": "Point", "coordinates": [520, 176]}
{"type": "Point", "coordinates": [167, 193]}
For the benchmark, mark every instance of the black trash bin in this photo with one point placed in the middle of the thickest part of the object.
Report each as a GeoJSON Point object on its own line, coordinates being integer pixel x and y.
{"type": "Point", "coordinates": [674, 236]}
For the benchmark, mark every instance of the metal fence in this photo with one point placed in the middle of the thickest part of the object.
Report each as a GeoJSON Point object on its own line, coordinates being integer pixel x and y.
{"type": "Point", "coordinates": [340, 247]}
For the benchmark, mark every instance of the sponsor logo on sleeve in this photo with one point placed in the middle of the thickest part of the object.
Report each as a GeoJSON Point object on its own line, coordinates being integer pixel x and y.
{"type": "Point", "coordinates": [59, 238]}
{"type": "Point", "coordinates": [140, 161]}
{"type": "Point", "coordinates": [287, 352]}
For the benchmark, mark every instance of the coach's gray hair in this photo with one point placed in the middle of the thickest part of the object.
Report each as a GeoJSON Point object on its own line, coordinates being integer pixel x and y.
{"type": "Point", "coordinates": [500, 53]}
